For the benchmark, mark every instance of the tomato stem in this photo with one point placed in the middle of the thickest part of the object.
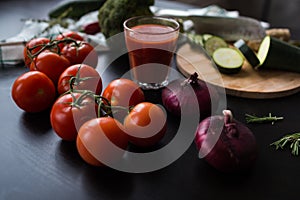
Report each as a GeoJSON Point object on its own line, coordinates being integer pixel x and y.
{"type": "Point", "coordinates": [104, 106]}
{"type": "Point", "coordinates": [75, 79]}
{"type": "Point", "coordinates": [53, 45]}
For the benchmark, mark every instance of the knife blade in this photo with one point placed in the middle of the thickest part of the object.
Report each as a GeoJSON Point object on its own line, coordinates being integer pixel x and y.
{"type": "Point", "coordinates": [231, 28]}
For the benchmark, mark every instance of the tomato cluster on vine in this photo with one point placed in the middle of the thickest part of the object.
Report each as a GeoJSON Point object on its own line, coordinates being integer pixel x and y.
{"type": "Point", "coordinates": [47, 59]}
{"type": "Point", "coordinates": [53, 56]}
{"type": "Point", "coordinates": [63, 79]}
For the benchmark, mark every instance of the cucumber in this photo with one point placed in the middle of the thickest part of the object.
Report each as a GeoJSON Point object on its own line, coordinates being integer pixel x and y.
{"type": "Point", "coordinates": [228, 60]}
{"type": "Point", "coordinates": [195, 38]}
{"type": "Point", "coordinates": [277, 54]}
{"type": "Point", "coordinates": [213, 43]}
{"type": "Point", "coordinates": [247, 52]}
{"type": "Point", "coordinates": [205, 36]}
{"type": "Point", "coordinates": [78, 8]}
{"type": "Point", "coordinates": [295, 43]}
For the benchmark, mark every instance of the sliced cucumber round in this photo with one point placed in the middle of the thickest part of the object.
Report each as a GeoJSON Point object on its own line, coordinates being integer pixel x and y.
{"type": "Point", "coordinates": [228, 60]}
{"type": "Point", "coordinates": [205, 36]}
{"type": "Point", "coordinates": [213, 43]}
{"type": "Point", "coordinates": [264, 49]}
{"type": "Point", "coordinates": [247, 52]}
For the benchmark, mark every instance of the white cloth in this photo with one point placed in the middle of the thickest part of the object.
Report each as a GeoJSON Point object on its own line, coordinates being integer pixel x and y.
{"type": "Point", "coordinates": [11, 49]}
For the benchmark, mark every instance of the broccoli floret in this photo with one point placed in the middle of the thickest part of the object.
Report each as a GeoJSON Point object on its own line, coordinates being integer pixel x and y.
{"type": "Point", "coordinates": [113, 13]}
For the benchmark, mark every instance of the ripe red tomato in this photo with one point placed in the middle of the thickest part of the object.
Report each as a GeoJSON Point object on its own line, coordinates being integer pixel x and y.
{"type": "Point", "coordinates": [32, 47]}
{"type": "Point", "coordinates": [146, 124]}
{"type": "Point", "coordinates": [33, 91]}
{"type": "Point", "coordinates": [84, 78]}
{"type": "Point", "coordinates": [123, 92]}
{"type": "Point", "coordinates": [69, 112]}
{"type": "Point", "coordinates": [80, 52]}
{"type": "Point", "coordinates": [103, 138]}
{"type": "Point", "coordinates": [68, 34]}
{"type": "Point", "coordinates": [51, 64]}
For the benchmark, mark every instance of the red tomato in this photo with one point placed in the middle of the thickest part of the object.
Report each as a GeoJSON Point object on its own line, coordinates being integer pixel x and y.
{"type": "Point", "coordinates": [68, 34]}
{"type": "Point", "coordinates": [84, 77]}
{"type": "Point", "coordinates": [32, 47]}
{"type": "Point", "coordinates": [123, 92]}
{"type": "Point", "coordinates": [69, 112]}
{"type": "Point", "coordinates": [146, 124]}
{"type": "Point", "coordinates": [33, 91]}
{"type": "Point", "coordinates": [101, 139]}
{"type": "Point", "coordinates": [51, 64]}
{"type": "Point", "coordinates": [80, 52]}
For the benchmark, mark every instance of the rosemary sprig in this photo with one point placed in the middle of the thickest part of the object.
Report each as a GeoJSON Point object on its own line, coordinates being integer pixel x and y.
{"type": "Point", "coordinates": [264, 119]}
{"type": "Point", "coordinates": [292, 139]}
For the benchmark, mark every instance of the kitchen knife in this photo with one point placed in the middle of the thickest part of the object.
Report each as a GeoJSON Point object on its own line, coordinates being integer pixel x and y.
{"type": "Point", "coordinates": [231, 28]}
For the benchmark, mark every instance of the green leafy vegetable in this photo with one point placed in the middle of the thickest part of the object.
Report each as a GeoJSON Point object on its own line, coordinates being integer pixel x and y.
{"type": "Point", "coordinates": [78, 8]}
{"type": "Point", "coordinates": [113, 13]}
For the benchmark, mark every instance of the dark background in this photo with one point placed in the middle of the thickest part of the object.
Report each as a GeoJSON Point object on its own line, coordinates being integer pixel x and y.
{"type": "Point", "coordinates": [279, 13]}
{"type": "Point", "coordinates": [36, 164]}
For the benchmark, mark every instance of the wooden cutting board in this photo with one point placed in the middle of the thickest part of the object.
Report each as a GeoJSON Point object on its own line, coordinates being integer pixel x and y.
{"type": "Point", "coordinates": [248, 83]}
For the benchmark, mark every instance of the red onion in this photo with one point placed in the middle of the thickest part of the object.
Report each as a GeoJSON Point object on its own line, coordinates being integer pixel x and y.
{"type": "Point", "coordinates": [226, 144]}
{"type": "Point", "coordinates": [182, 96]}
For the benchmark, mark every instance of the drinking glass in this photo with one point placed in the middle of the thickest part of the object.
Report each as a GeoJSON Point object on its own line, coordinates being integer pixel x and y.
{"type": "Point", "coordinates": [151, 42]}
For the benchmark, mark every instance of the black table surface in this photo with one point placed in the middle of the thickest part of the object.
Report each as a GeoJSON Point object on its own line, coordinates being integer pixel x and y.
{"type": "Point", "coordinates": [37, 164]}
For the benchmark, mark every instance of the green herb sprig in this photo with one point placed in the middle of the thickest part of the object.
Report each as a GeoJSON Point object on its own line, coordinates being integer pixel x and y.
{"type": "Point", "coordinates": [264, 119]}
{"type": "Point", "coordinates": [292, 139]}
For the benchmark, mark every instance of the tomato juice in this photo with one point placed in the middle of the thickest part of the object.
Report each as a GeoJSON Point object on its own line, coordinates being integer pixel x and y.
{"type": "Point", "coordinates": [151, 48]}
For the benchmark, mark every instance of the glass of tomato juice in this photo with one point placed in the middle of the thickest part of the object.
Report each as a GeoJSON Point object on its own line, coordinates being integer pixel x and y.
{"type": "Point", "coordinates": [151, 42]}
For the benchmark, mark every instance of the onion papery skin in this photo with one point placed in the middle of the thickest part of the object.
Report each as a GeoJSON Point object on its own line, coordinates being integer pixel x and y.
{"type": "Point", "coordinates": [234, 151]}
{"type": "Point", "coordinates": [181, 97]}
